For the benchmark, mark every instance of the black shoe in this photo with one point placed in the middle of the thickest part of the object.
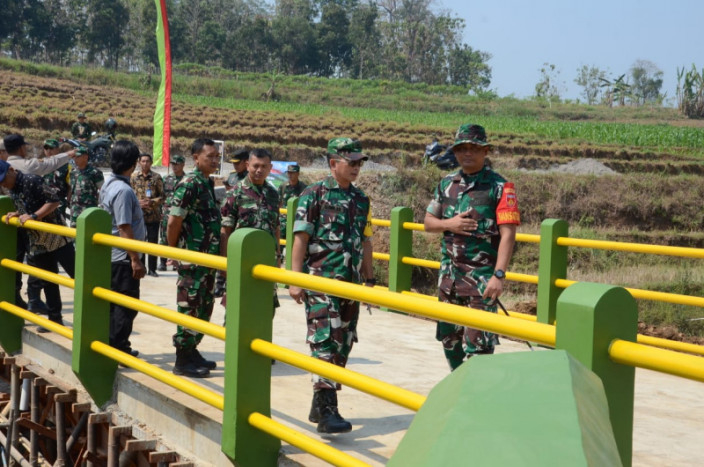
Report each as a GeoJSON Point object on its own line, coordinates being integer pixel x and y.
{"type": "Point", "coordinates": [37, 306]}
{"type": "Point", "coordinates": [130, 351]}
{"type": "Point", "coordinates": [200, 360]}
{"type": "Point", "coordinates": [57, 319]}
{"type": "Point", "coordinates": [152, 273]}
{"type": "Point", "coordinates": [186, 366]}
{"type": "Point", "coordinates": [324, 412]}
{"type": "Point", "coordinates": [162, 267]}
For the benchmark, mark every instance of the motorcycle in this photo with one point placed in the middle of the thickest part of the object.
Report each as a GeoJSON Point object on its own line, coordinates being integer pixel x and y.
{"type": "Point", "coordinates": [99, 147]}
{"type": "Point", "coordinates": [440, 155]}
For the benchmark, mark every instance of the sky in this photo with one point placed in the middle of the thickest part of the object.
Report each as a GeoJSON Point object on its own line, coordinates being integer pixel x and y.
{"type": "Point", "coordinates": [521, 35]}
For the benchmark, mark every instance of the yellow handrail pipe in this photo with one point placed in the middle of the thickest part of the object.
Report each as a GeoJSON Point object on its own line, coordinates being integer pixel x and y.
{"type": "Point", "coordinates": [193, 257]}
{"type": "Point", "coordinates": [37, 272]}
{"type": "Point", "coordinates": [651, 358]}
{"type": "Point", "coordinates": [38, 320]}
{"type": "Point", "coordinates": [172, 316]}
{"type": "Point", "coordinates": [303, 442]}
{"type": "Point", "coordinates": [531, 331]}
{"type": "Point", "coordinates": [381, 256]}
{"type": "Point", "coordinates": [378, 388]}
{"type": "Point", "coordinates": [43, 227]}
{"type": "Point", "coordinates": [632, 247]}
{"type": "Point", "coordinates": [182, 384]}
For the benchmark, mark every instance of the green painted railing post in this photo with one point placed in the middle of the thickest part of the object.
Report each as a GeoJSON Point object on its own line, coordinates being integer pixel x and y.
{"type": "Point", "coordinates": [91, 316]}
{"type": "Point", "coordinates": [249, 312]}
{"type": "Point", "coordinates": [291, 207]}
{"type": "Point", "coordinates": [552, 265]}
{"type": "Point", "coordinates": [11, 329]}
{"type": "Point", "coordinates": [589, 317]}
{"type": "Point", "coordinates": [400, 245]}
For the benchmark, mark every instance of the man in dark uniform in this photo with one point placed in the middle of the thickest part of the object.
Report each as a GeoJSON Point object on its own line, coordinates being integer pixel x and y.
{"type": "Point", "coordinates": [81, 130]}
{"type": "Point", "coordinates": [294, 187]}
{"type": "Point", "coordinates": [476, 210]}
{"type": "Point", "coordinates": [194, 224]}
{"type": "Point", "coordinates": [239, 162]}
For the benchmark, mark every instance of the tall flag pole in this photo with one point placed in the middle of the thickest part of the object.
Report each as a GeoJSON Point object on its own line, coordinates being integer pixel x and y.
{"type": "Point", "coordinates": [162, 113]}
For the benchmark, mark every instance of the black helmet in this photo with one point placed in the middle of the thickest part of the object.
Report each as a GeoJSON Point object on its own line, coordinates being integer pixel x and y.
{"type": "Point", "coordinates": [110, 125]}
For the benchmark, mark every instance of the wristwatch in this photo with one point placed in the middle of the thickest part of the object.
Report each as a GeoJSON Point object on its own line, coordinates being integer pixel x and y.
{"type": "Point", "coordinates": [33, 216]}
{"type": "Point", "coordinates": [500, 274]}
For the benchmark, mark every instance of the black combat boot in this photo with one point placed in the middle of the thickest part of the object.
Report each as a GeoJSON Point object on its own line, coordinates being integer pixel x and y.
{"type": "Point", "coordinates": [315, 407]}
{"type": "Point", "coordinates": [187, 366]}
{"type": "Point", "coordinates": [330, 419]}
{"type": "Point", "coordinates": [55, 317]}
{"type": "Point", "coordinates": [200, 360]}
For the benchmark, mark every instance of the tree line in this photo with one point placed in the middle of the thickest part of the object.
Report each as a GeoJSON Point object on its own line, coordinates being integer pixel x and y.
{"type": "Point", "coordinates": [365, 39]}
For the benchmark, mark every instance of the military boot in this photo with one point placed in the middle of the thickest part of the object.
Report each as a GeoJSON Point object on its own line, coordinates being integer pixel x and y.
{"type": "Point", "coordinates": [200, 360]}
{"type": "Point", "coordinates": [330, 420]}
{"type": "Point", "coordinates": [315, 407]}
{"type": "Point", "coordinates": [186, 365]}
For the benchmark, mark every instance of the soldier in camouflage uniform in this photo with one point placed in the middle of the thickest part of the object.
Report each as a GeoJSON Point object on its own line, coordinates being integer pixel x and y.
{"type": "Point", "coordinates": [81, 130]}
{"type": "Point", "coordinates": [239, 163]}
{"type": "Point", "coordinates": [477, 212]}
{"type": "Point", "coordinates": [253, 203]}
{"type": "Point", "coordinates": [332, 234]}
{"type": "Point", "coordinates": [194, 224]}
{"type": "Point", "coordinates": [59, 178]}
{"type": "Point", "coordinates": [294, 187]}
{"type": "Point", "coordinates": [86, 181]}
{"type": "Point", "coordinates": [170, 182]}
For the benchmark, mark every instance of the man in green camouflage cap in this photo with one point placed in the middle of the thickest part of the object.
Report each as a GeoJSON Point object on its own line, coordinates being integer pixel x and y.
{"type": "Point", "coordinates": [170, 181]}
{"type": "Point", "coordinates": [294, 187]}
{"type": "Point", "coordinates": [332, 234]}
{"type": "Point", "coordinates": [194, 224]}
{"type": "Point", "coordinates": [477, 212]}
{"type": "Point", "coordinates": [86, 181]}
{"type": "Point", "coordinates": [81, 130]}
{"type": "Point", "coordinates": [252, 203]}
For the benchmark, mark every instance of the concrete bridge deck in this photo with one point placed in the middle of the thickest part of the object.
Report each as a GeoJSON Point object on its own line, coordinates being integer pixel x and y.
{"type": "Point", "coordinates": [669, 412]}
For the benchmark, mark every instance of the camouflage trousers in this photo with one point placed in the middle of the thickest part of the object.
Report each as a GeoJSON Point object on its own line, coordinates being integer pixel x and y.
{"type": "Point", "coordinates": [194, 297]}
{"type": "Point", "coordinates": [162, 229]}
{"type": "Point", "coordinates": [458, 341]}
{"type": "Point", "coordinates": [332, 330]}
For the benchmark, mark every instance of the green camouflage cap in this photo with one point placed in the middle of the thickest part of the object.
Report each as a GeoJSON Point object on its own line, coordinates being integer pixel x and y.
{"type": "Point", "coordinates": [51, 143]}
{"type": "Point", "coordinates": [176, 159]}
{"type": "Point", "coordinates": [470, 133]}
{"type": "Point", "coordinates": [346, 148]}
{"type": "Point", "coordinates": [294, 168]}
{"type": "Point", "coordinates": [81, 115]}
{"type": "Point", "coordinates": [81, 151]}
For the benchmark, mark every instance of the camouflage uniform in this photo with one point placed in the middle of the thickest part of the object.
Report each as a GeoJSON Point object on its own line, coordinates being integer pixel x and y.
{"type": "Point", "coordinates": [81, 130]}
{"type": "Point", "coordinates": [338, 221]}
{"type": "Point", "coordinates": [85, 188]}
{"type": "Point", "coordinates": [170, 182]}
{"type": "Point", "coordinates": [256, 207]}
{"type": "Point", "coordinates": [286, 192]}
{"type": "Point", "coordinates": [235, 177]}
{"type": "Point", "coordinates": [466, 259]}
{"type": "Point", "coordinates": [60, 179]}
{"type": "Point", "coordinates": [194, 200]}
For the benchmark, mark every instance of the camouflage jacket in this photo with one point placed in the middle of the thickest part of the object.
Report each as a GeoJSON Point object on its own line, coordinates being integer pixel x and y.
{"type": "Point", "coordinates": [30, 193]}
{"type": "Point", "coordinates": [170, 182]}
{"type": "Point", "coordinates": [287, 192]}
{"type": "Point", "coordinates": [85, 189]}
{"type": "Point", "coordinates": [60, 179]}
{"type": "Point", "coordinates": [234, 178]}
{"type": "Point", "coordinates": [81, 130]}
{"type": "Point", "coordinates": [149, 186]}
{"type": "Point", "coordinates": [468, 258]}
{"type": "Point", "coordinates": [338, 221]}
{"type": "Point", "coordinates": [194, 200]}
{"type": "Point", "coordinates": [249, 205]}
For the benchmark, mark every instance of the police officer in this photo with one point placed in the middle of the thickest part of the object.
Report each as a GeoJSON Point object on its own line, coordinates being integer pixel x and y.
{"type": "Point", "coordinates": [81, 130]}
{"type": "Point", "coordinates": [194, 224]}
{"type": "Point", "coordinates": [170, 182]}
{"type": "Point", "coordinates": [477, 212]}
{"type": "Point", "coordinates": [333, 237]}
{"type": "Point", "coordinates": [86, 181]}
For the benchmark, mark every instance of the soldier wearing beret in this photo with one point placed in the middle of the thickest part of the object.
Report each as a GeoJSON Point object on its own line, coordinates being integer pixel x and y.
{"type": "Point", "coordinates": [332, 235]}
{"type": "Point", "coordinates": [476, 210]}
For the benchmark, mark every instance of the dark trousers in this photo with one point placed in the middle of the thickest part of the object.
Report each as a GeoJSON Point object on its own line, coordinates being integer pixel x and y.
{"type": "Point", "coordinates": [66, 257]}
{"type": "Point", "coordinates": [152, 237]}
{"type": "Point", "coordinates": [47, 261]}
{"type": "Point", "coordinates": [121, 318]}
